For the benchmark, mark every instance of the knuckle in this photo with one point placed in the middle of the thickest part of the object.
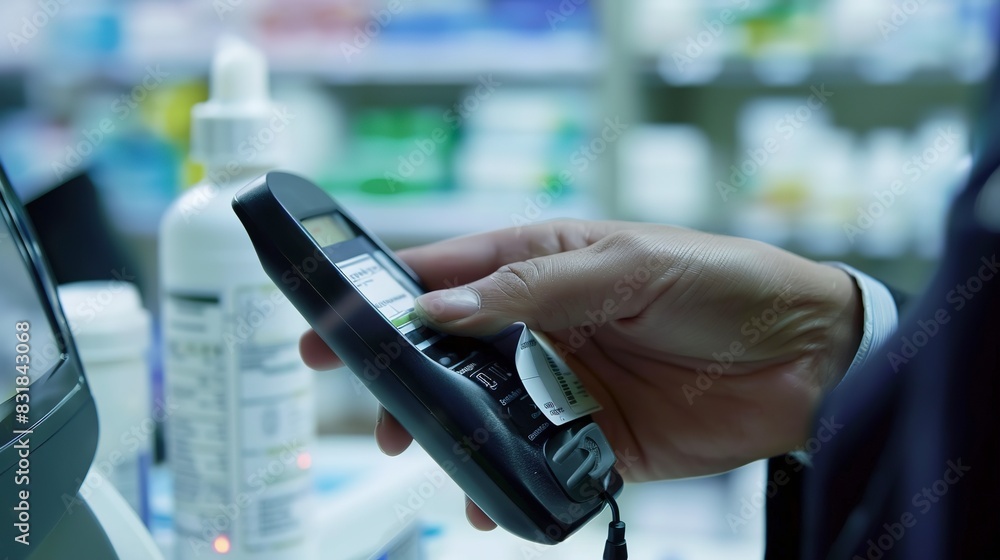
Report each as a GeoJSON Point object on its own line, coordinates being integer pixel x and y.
{"type": "Point", "coordinates": [622, 240]}
{"type": "Point", "coordinates": [528, 294]}
{"type": "Point", "coordinates": [623, 245]}
{"type": "Point", "coordinates": [516, 280]}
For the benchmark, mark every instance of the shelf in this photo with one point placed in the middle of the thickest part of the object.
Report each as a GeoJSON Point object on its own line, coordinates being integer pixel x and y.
{"type": "Point", "coordinates": [547, 58]}
{"type": "Point", "coordinates": [423, 218]}
{"type": "Point", "coordinates": [741, 72]}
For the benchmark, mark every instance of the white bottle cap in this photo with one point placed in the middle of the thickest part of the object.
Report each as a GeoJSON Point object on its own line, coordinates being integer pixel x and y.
{"type": "Point", "coordinates": [237, 111]}
{"type": "Point", "coordinates": [107, 320]}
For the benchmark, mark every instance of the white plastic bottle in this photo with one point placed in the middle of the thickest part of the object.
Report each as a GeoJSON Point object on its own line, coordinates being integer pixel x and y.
{"type": "Point", "coordinates": [242, 417]}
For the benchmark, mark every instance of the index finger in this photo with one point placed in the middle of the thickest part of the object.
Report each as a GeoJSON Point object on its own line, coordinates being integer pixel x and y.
{"type": "Point", "coordinates": [464, 259]}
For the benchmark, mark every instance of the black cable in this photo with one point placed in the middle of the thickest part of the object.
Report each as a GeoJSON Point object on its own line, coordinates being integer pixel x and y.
{"type": "Point", "coordinates": [615, 512]}
{"type": "Point", "coordinates": [614, 548]}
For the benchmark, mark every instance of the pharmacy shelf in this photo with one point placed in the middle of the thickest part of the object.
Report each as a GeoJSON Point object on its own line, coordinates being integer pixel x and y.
{"type": "Point", "coordinates": [548, 58]}
{"type": "Point", "coordinates": [403, 220]}
{"type": "Point", "coordinates": [803, 71]}
{"type": "Point", "coordinates": [544, 58]}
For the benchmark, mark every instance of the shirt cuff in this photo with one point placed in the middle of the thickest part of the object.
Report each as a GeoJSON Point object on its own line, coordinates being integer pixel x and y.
{"type": "Point", "coordinates": [881, 315]}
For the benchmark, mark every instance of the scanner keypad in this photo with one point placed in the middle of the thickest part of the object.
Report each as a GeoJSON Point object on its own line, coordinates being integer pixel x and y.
{"type": "Point", "coordinates": [490, 373]}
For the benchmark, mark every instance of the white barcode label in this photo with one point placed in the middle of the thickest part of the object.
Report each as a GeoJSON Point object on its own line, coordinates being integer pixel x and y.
{"type": "Point", "coordinates": [549, 381]}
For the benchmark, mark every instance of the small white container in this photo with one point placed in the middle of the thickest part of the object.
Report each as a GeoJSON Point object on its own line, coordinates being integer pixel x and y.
{"type": "Point", "coordinates": [111, 331]}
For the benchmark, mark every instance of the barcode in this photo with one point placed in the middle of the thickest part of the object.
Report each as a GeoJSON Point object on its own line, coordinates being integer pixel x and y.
{"type": "Point", "coordinates": [567, 392]}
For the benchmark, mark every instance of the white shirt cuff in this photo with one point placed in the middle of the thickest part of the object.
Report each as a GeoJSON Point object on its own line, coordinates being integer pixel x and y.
{"type": "Point", "coordinates": [881, 315]}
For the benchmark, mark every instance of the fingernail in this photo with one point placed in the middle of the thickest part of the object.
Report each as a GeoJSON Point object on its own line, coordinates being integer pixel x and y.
{"type": "Point", "coordinates": [379, 416]}
{"type": "Point", "coordinates": [445, 306]}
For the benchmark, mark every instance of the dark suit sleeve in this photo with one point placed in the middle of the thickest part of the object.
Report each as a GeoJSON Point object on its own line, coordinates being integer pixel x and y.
{"type": "Point", "coordinates": [784, 508]}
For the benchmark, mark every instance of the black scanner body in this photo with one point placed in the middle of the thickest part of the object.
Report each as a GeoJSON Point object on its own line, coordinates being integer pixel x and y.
{"type": "Point", "coordinates": [461, 398]}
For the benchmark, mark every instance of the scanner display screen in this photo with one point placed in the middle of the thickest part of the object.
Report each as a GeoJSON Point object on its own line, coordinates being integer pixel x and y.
{"type": "Point", "coordinates": [390, 293]}
{"type": "Point", "coordinates": [326, 230]}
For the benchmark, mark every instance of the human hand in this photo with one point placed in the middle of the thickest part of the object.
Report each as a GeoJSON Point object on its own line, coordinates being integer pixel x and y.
{"type": "Point", "coordinates": [707, 352]}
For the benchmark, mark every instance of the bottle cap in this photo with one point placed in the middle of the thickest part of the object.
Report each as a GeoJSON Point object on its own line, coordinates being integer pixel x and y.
{"type": "Point", "coordinates": [228, 129]}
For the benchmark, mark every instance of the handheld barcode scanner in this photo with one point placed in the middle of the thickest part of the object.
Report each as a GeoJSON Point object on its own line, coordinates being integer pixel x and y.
{"type": "Point", "coordinates": [506, 420]}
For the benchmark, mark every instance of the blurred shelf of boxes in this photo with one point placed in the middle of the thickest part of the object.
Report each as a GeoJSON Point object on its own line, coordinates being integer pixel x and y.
{"type": "Point", "coordinates": [837, 129]}
{"type": "Point", "coordinates": [775, 119]}
{"type": "Point", "coordinates": [569, 58]}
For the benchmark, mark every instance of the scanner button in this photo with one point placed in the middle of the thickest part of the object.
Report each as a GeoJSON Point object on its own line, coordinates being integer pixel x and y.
{"type": "Point", "coordinates": [486, 380]}
{"type": "Point", "coordinates": [524, 413]}
{"type": "Point", "coordinates": [448, 359]}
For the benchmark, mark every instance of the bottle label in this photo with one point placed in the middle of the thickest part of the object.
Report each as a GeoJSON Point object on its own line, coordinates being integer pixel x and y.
{"type": "Point", "coordinates": [239, 436]}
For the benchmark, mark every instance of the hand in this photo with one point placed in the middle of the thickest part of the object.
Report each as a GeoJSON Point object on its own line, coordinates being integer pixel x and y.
{"type": "Point", "coordinates": [707, 352]}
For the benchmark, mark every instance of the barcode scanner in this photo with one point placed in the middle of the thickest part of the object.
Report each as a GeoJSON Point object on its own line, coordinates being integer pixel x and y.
{"type": "Point", "coordinates": [504, 417]}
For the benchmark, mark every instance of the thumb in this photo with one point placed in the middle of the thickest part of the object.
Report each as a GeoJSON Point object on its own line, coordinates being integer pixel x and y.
{"type": "Point", "coordinates": [550, 293]}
